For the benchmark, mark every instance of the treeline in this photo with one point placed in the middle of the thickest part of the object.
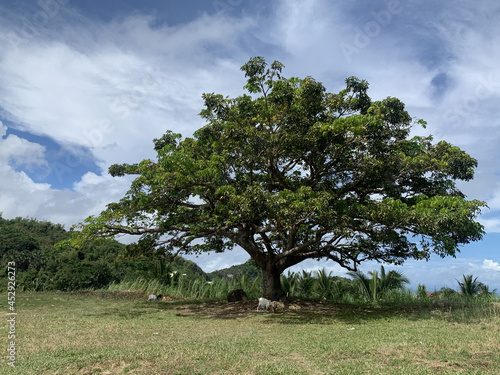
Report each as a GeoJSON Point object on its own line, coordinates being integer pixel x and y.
{"type": "Point", "coordinates": [42, 263]}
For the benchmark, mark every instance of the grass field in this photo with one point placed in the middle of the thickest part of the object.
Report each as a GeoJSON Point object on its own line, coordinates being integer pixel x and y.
{"type": "Point", "coordinates": [121, 333]}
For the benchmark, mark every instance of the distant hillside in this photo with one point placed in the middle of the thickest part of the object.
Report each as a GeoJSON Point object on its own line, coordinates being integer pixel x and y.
{"type": "Point", "coordinates": [249, 268]}
{"type": "Point", "coordinates": [188, 267]}
{"type": "Point", "coordinates": [42, 265]}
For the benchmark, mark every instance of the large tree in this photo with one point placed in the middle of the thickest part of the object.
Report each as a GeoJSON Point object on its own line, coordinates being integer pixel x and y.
{"type": "Point", "coordinates": [292, 172]}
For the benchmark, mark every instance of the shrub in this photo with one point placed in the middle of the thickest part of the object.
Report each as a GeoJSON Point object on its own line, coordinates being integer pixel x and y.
{"type": "Point", "coordinates": [83, 276]}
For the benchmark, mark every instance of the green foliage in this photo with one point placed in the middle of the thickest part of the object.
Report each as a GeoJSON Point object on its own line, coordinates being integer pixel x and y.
{"type": "Point", "coordinates": [367, 286]}
{"type": "Point", "coordinates": [486, 293]}
{"type": "Point", "coordinates": [292, 172]}
{"type": "Point", "coordinates": [105, 263]}
{"type": "Point", "coordinates": [28, 242]}
{"type": "Point", "coordinates": [324, 284]}
{"type": "Point", "coordinates": [471, 287]}
{"type": "Point", "coordinates": [82, 276]}
{"type": "Point", "coordinates": [319, 285]}
{"type": "Point", "coordinates": [289, 284]}
{"type": "Point", "coordinates": [422, 291]}
{"type": "Point", "coordinates": [387, 289]}
{"type": "Point", "coordinates": [378, 286]}
{"type": "Point", "coordinates": [45, 260]}
{"type": "Point", "coordinates": [306, 283]}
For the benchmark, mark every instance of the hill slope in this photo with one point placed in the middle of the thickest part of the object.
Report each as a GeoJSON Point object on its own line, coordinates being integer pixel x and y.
{"type": "Point", "coordinates": [249, 268]}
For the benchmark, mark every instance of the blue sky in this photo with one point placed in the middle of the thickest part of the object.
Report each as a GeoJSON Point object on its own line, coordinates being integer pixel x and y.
{"type": "Point", "coordinates": [85, 84]}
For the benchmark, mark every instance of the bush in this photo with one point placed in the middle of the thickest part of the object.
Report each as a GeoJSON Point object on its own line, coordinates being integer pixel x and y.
{"type": "Point", "coordinates": [83, 276]}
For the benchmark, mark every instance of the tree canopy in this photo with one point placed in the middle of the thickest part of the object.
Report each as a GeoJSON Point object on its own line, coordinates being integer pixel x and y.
{"type": "Point", "coordinates": [290, 172]}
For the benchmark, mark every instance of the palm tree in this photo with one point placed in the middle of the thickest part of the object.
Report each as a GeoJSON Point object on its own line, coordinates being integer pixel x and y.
{"type": "Point", "coordinates": [368, 286]}
{"type": "Point", "coordinates": [377, 286]}
{"type": "Point", "coordinates": [305, 283]}
{"type": "Point", "coordinates": [485, 291]}
{"type": "Point", "coordinates": [289, 284]}
{"type": "Point", "coordinates": [324, 283]}
{"type": "Point", "coordinates": [392, 280]}
{"type": "Point", "coordinates": [470, 287]}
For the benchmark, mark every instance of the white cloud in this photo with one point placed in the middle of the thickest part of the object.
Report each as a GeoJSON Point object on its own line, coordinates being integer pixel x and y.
{"type": "Point", "coordinates": [487, 272]}
{"type": "Point", "coordinates": [21, 196]}
{"type": "Point", "coordinates": [109, 87]}
{"type": "Point", "coordinates": [136, 79]}
{"type": "Point", "coordinates": [20, 152]}
{"type": "Point", "coordinates": [489, 265]}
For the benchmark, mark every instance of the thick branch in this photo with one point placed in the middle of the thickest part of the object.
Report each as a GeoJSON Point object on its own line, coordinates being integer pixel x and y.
{"type": "Point", "coordinates": [297, 249]}
{"type": "Point", "coordinates": [267, 242]}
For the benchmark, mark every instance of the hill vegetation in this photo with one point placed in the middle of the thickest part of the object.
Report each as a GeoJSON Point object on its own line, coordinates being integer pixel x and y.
{"type": "Point", "coordinates": [43, 262]}
{"type": "Point", "coordinates": [249, 268]}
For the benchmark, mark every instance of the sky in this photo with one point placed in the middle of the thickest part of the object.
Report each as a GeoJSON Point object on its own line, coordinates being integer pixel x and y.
{"type": "Point", "coordinates": [85, 84]}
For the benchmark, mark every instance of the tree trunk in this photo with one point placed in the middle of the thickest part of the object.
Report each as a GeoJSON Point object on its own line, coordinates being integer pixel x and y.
{"type": "Point", "coordinates": [270, 281]}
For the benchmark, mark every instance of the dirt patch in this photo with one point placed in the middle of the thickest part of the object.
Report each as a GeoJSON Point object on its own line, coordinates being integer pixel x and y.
{"type": "Point", "coordinates": [220, 309]}
{"type": "Point", "coordinates": [295, 310]}
{"type": "Point", "coordinates": [223, 309]}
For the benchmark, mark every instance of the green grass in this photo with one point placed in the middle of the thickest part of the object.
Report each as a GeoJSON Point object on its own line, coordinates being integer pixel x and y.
{"type": "Point", "coordinates": [117, 332]}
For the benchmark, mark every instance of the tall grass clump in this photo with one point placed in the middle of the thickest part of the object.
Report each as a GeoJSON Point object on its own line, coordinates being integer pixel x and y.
{"type": "Point", "coordinates": [318, 285]}
{"type": "Point", "coordinates": [139, 284]}
{"type": "Point", "coordinates": [192, 288]}
{"type": "Point", "coordinates": [422, 292]}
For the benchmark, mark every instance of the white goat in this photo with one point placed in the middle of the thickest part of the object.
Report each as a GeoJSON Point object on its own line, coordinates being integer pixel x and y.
{"type": "Point", "coordinates": [154, 297]}
{"type": "Point", "coordinates": [263, 304]}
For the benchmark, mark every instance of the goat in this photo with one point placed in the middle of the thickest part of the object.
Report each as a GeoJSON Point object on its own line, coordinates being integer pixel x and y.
{"type": "Point", "coordinates": [277, 306]}
{"type": "Point", "coordinates": [154, 297]}
{"type": "Point", "coordinates": [263, 304]}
